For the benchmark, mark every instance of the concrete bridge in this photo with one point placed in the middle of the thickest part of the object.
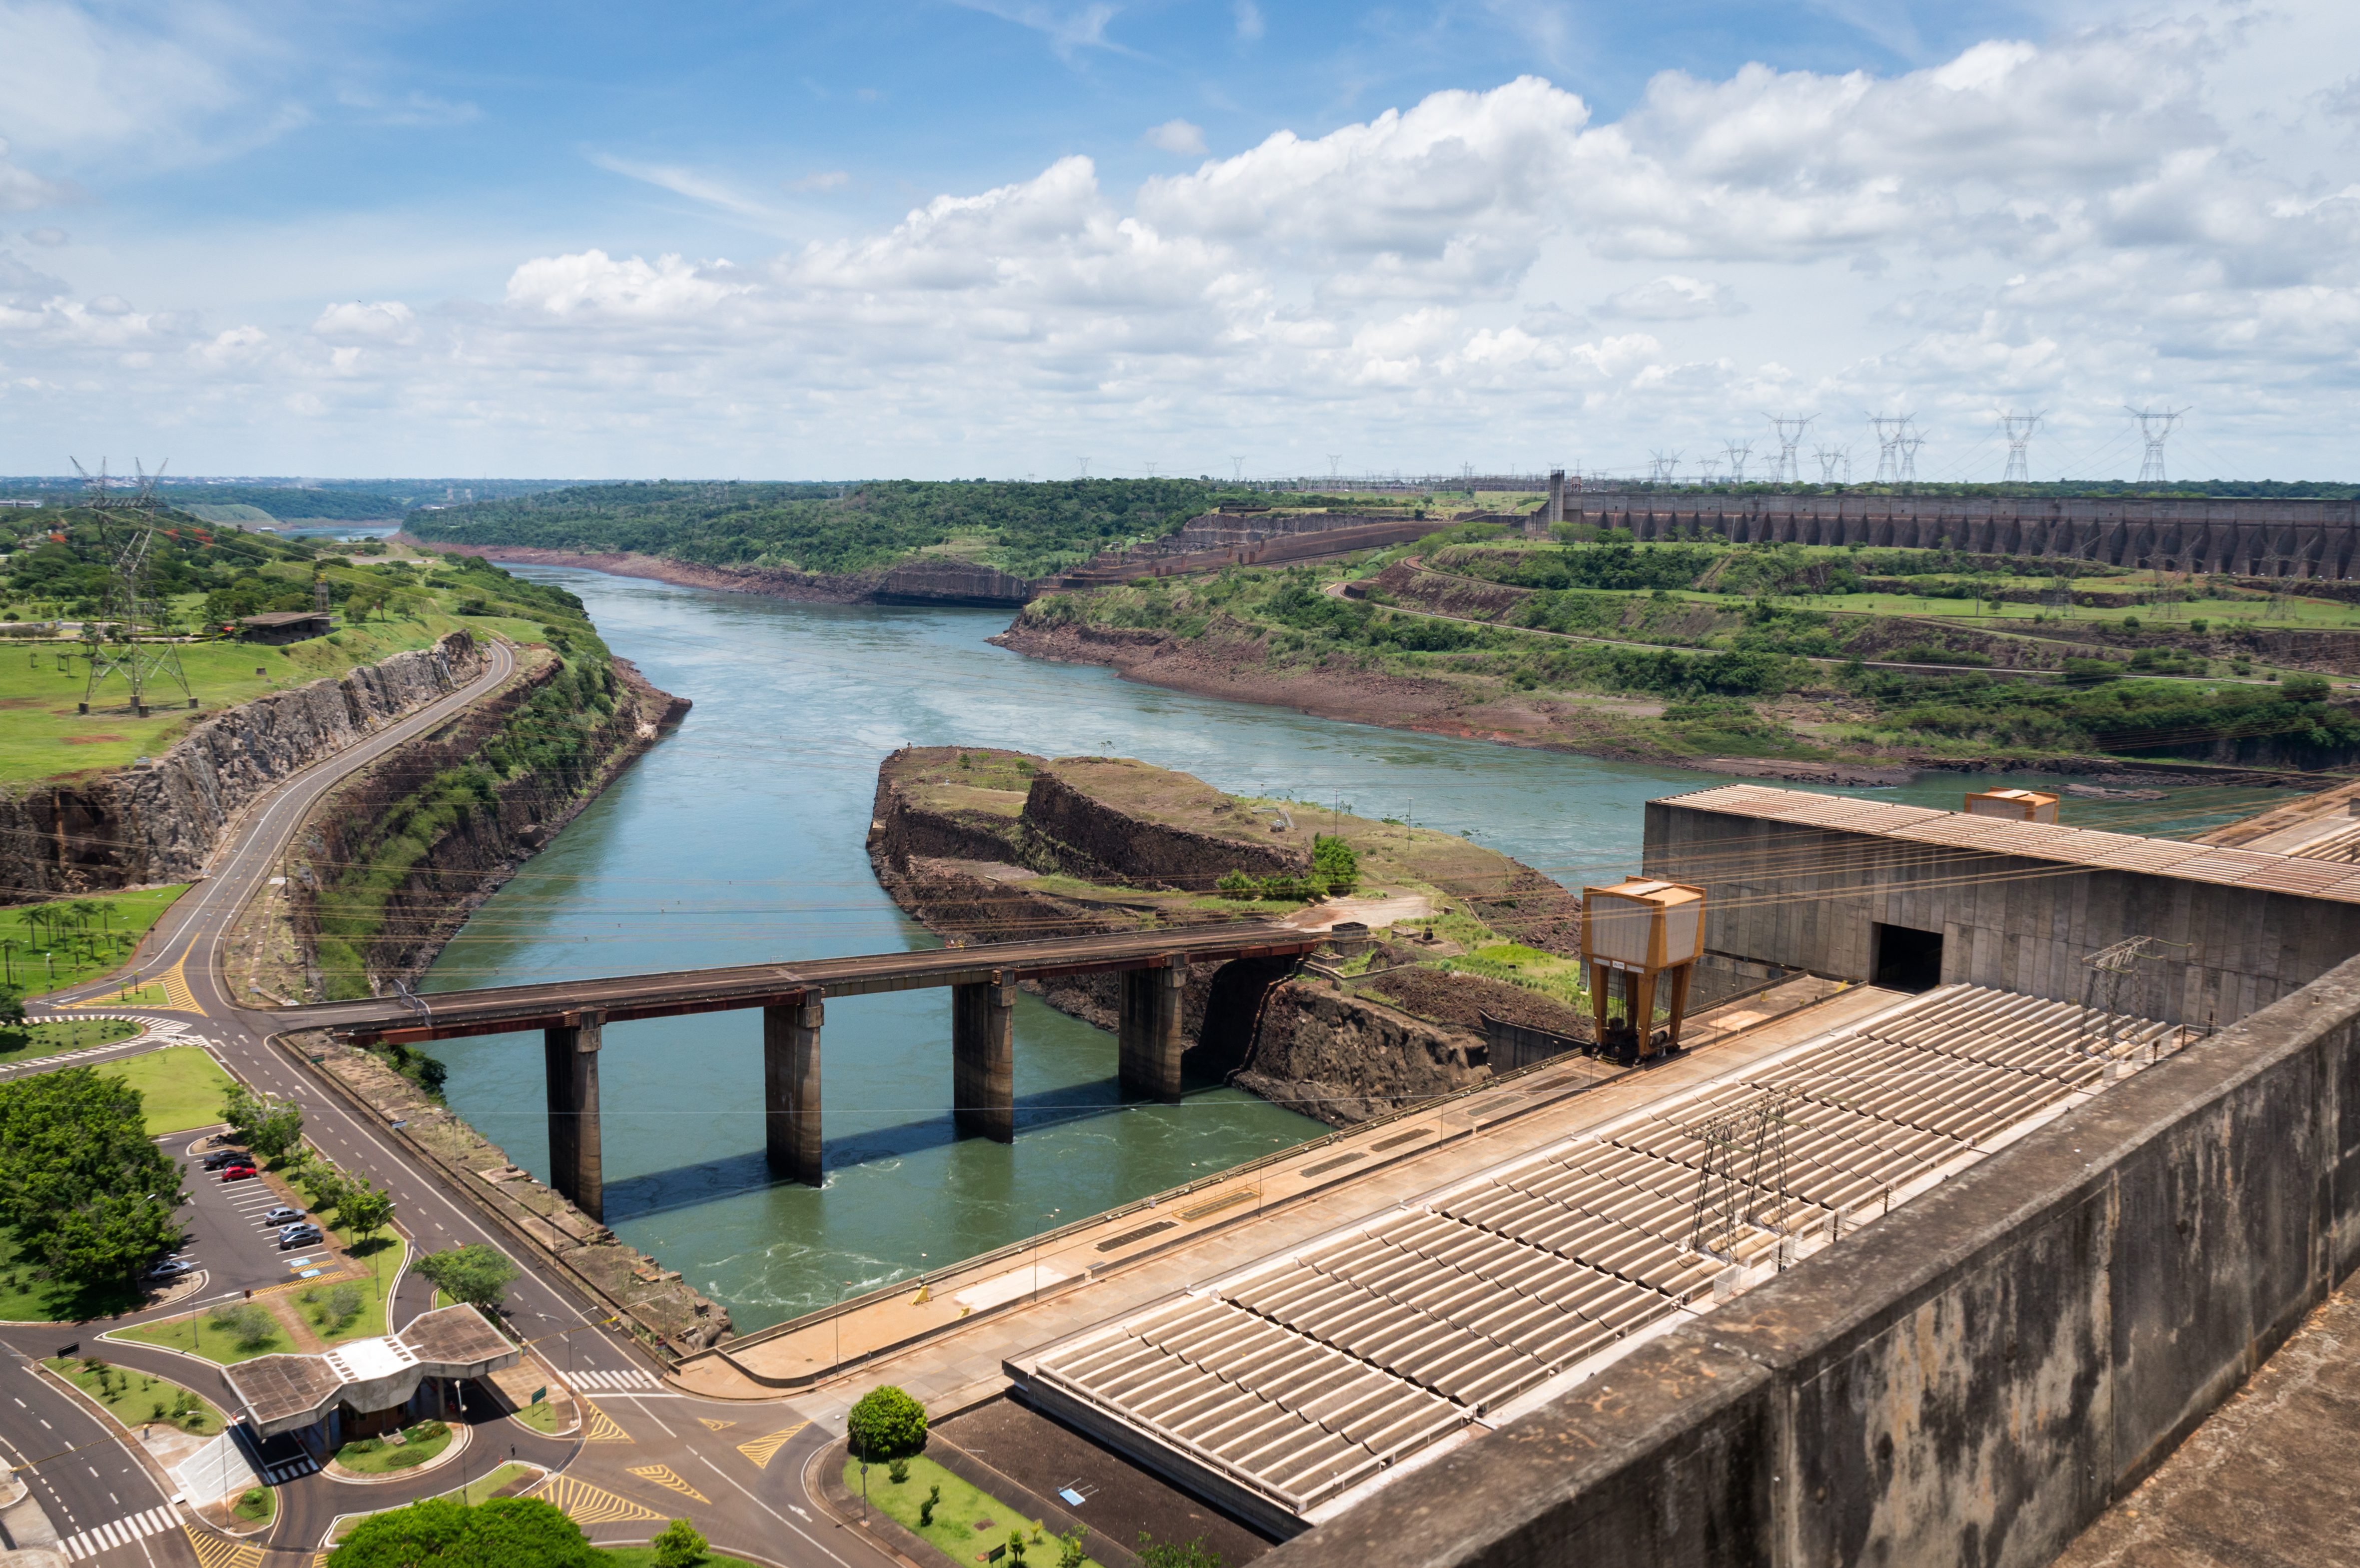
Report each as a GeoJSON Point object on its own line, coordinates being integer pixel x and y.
{"type": "Point", "coordinates": [573, 1016]}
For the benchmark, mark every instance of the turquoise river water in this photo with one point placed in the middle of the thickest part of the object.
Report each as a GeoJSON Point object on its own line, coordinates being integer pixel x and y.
{"type": "Point", "coordinates": [739, 839]}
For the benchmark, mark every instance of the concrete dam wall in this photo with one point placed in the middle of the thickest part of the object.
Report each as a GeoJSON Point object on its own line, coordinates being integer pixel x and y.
{"type": "Point", "coordinates": [2257, 537]}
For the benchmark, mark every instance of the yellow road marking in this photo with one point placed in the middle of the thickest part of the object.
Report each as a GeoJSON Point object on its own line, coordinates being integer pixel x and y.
{"type": "Point", "coordinates": [709, 1424]}
{"type": "Point", "coordinates": [604, 1428]}
{"type": "Point", "coordinates": [587, 1504]}
{"type": "Point", "coordinates": [214, 1553]}
{"type": "Point", "coordinates": [762, 1450]}
{"type": "Point", "coordinates": [664, 1475]}
{"type": "Point", "coordinates": [173, 982]}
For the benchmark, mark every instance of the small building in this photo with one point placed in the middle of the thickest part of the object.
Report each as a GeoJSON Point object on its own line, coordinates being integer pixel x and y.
{"type": "Point", "coordinates": [2016, 805]}
{"type": "Point", "coordinates": [368, 1386]}
{"type": "Point", "coordinates": [285, 626]}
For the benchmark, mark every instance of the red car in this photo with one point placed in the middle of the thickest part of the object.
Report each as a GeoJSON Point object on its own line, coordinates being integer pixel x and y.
{"type": "Point", "coordinates": [239, 1172]}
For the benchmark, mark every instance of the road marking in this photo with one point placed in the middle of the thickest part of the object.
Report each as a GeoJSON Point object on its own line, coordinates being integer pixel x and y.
{"type": "Point", "coordinates": [119, 1533]}
{"type": "Point", "coordinates": [632, 1379]}
{"type": "Point", "coordinates": [280, 1475]}
{"type": "Point", "coordinates": [587, 1504]}
{"type": "Point", "coordinates": [762, 1450]}
{"type": "Point", "coordinates": [664, 1476]}
{"type": "Point", "coordinates": [603, 1427]}
{"type": "Point", "coordinates": [708, 1422]}
{"type": "Point", "coordinates": [212, 1551]}
{"type": "Point", "coordinates": [766, 1509]}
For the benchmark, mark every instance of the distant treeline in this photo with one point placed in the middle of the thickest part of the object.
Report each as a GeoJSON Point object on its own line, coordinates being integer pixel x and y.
{"type": "Point", "coordinates": [345, 500]}
{"type": "Point", "coordinates": [1030, 530]}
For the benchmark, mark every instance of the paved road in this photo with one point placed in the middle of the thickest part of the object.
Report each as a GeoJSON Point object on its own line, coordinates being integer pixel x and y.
{"type": "Point", "coordinates": [647, 1454]}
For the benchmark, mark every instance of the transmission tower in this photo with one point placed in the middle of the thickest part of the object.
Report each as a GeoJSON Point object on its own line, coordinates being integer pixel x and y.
{"type": "Point", "coordinates": [1665, 466]}
{"type": "Point", "coordinates": [2154, 425]}
{"type": "Point", "coordinates": [2018, 429]}
{"type": "Point", "coordinates": [1744, 1160]}
{"type": "Point", "coordinates": [1908, 446]}
{"type": "Point", "coordinates": [1706, 466]}
{"type": "Point", "coordinates": [1830, 459]}
{"type": "Point", "coordinates": [1237, 468]}
{"type": "Point", "coordinates": [1737, 452]}
{"type": "Point", "coordinates": [1891, 429]}
{"type": "Point", "coordinates": [1790, 436]}
{"type": "Point", "coordinates": [1082, 467]}
{"type": "Point", "coordinates": [111, 641]}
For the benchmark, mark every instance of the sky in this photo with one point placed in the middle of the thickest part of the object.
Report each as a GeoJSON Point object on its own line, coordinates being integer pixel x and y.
{"type": "Point", "coordinates": [1001, 238]}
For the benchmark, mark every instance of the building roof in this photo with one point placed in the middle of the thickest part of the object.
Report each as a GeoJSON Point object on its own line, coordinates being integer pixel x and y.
{"type": "Point", "coordinates": [281, 1393]}
{"type": "Point", "coordinates": [283, 618]}
{"type": "Point", "coordinates": [2259, 870]}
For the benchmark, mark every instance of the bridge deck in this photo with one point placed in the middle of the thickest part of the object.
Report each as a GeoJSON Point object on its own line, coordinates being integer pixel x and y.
{"type": "Point", "coordinates": [450, 1015]}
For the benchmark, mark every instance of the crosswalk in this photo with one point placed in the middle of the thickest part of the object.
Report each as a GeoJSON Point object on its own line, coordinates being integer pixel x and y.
{"type": "Point", "coordinates": [280, 1475]}
{"type": "Point", "coordinates": [617, 1382]}
{"type": "Point", "coordinates": [121, 1532]}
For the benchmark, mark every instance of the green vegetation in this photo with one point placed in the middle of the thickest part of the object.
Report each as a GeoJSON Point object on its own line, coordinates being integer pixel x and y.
{"type": "Point", "coordinates": [255, 1505]}
{"type": "Point", "coordinates": [1194, 1553]}
{"type": "Point", "coordinates": [478, 1274]}
{"type": "Point", "coordinates": [227, 1334]}
{"type": "Point", "coordinates": [32, 1041]}
{"type": "Point", "coordinates": [182, 1085]}
{"type": "Point", "coordinates": [540, 1416]}
{"type": "Point", "coordinates": [516, 1532]}
{"type": "Point", "coordinates": [1028, 529]}
{"type": "Point", "coordinates": [47, 947]}
{"type": "Point", "coordinates": [886, 1424]}
{"type": "Point", "coordinates": [382, 1457]}
{"type": "Point", "coordinates": [481, 1488]}
{"type": "Point", "coordinates": [264, 1124]}
{"type": "Point", "coordinates": [957, 1519]}
{"type": "Point", "coordinates": [82, 1188]}
{"type": "Point", "coordinates": [134, 1398]}
{"type": "Point", "coordinates": [678, 1544]}
{"type": "Point", "coordinates": [345, 1311]}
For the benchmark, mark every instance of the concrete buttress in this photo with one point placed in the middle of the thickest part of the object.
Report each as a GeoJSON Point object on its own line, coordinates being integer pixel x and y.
{"type": "Point", "coordinates": [790, 1108]}
{"type": "Point", "coordinates": [983, 1057]}
{"type": "Point", "coordinates": [575, 1168]}
{"type": "Point", "coordinates": [1148, 1039]}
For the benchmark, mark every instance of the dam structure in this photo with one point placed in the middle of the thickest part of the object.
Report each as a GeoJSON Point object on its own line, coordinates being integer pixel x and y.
{"type": "Point", "coordinates": [2235, 537]}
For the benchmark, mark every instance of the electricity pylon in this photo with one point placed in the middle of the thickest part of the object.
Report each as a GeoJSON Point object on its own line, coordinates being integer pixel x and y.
{"type": "Point", "coordinates": [2018, 429]}
{"type": "Point", "coordinates": [112, 641]}
{"type": "Point", "coordinates": [1738, 452]}
{"type": "Point", "coordinates": [1891, 429]}
{"type": "Point", "coordinates": [1790, 436]}
{"type": "Point", "coordinates": [2155, 428]}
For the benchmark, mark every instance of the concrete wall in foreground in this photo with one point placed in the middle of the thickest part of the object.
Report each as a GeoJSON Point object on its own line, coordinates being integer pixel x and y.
{"type": "Point", "coordinates": [1810, 897]}
{"type": "Point", "coordinates": [1971, 1380]}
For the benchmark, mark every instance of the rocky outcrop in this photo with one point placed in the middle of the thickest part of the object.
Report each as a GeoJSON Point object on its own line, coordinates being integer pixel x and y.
{"type": "Point", "coordinates": [1344, 1059]}
{"type": "Point", "coordinates": [1063, 807]}
{"type": "Point", "coordinates": [160, 819]}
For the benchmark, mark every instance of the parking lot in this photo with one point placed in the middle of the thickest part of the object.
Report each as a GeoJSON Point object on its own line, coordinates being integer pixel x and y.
{"type": "Point", "coordinates": [227, 1235]}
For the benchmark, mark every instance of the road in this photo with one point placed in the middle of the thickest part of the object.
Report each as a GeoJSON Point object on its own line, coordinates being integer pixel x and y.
{"type": "Point", "coordinates": [646, 1455]}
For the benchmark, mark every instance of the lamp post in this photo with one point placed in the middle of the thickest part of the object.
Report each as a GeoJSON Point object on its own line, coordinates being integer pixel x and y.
{"type": "Point", "coordinates": [1052, 1217]}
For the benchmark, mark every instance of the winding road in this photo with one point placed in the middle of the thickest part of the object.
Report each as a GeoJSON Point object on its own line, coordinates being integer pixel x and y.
{"type": "Point", "coordinates": [642, 1453]}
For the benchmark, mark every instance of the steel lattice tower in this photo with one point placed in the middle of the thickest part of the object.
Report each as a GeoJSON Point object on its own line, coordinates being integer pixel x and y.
{"type": "Point", "coordinates": [112, 641]}
{"type": "Point", "coordinates": [1908, 447]}
{"type": "Point", "coordinates": [1890, 430]}
{"type": "Point", "coordinates": [1830, 459]}
{"type": "Point", "coordinates": [2155, 427]}
{"type": "Point", "coordinates": [1738, 452]}
{"type": "Point", "coordinates": [2018, 429]}
{"type": "Point", "coordinates": [1790, 436]}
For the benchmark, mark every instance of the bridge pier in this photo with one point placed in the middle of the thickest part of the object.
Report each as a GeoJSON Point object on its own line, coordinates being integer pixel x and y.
{"type": "Point", "coordinates": [1147, 1035]}
{"type": "Point", "coordinates": [983, 1057]}
{"type": "Point", "coordinates": [575, 1168]}
{"type": "Point", "coordinates": [791, 1124]}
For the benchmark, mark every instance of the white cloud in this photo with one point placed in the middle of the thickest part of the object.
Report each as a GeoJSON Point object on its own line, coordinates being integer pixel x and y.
{"type": "Point", "coordinates": [47, 238]}
{"type": "Point", "coordinates": [22, 191]}
{"type": "Point", "coordinates": [2058, 225]}
{"type": "Point", "coordinates": [1674, 297]}
{"type": "Point", "coordinates": [1249, 20]}
{"type": "Point", "coordinates": [1176, 137]}
{"type": "Point", "coordinates": [1069, 29]}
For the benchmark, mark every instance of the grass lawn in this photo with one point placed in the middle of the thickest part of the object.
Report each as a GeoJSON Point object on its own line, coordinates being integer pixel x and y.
{"type": "Point", "coordinates": [376, 1457]}
{"type": "Point", "coordinates": [36, 1040]}
{"type": "Point", "coordinates": [180, 1086]}
{"type": "Point", "coordinates": [135, 1396]}
{"type": "Point", "coordinates": [541, 1418]}
{"type": "Point", "coordinates": [960, 1509]}
{"type": "Point", "coordinates": [197, 1335]}
{"type": "Point", "coordinates": [645, 1557]}
{"type": "Point", "coordinates": [481, 1488]}
{"type": "Point", "coordinates": [46, 947]}
{"type": "Point", "coordinates": [256, 1504]}
{"type": "Point", "coordinates": [316, 1304]}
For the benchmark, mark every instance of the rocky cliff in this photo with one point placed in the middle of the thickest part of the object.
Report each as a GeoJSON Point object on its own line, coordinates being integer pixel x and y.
{"type": "Point", "coordinates": [921, 580]}
{"type": "Point", "coordinates": [160, 820]}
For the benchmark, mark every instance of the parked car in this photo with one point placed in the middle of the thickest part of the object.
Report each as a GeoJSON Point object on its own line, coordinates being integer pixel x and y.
{"type": "Point", "coordinates": [169, 1267]}
{"type": "Point", "coordinates": [222, 1157]}
{"type": "Point", "coordinates": [239, 1174]}
{"type": "Point", "coordinates": [281, 1215]}
{"type": "Point", "coordinates": [298, 1235]}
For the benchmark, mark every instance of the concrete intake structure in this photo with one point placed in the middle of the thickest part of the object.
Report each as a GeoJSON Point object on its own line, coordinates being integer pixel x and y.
{"type": "Point", "coordinates": [573, 1014]}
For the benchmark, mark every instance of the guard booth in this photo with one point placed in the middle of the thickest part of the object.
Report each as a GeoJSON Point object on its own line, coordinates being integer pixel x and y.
{"type": "Point", "coordinates": [1635, 935]}
{"type": "Point", "coordinates": [2015, 805]}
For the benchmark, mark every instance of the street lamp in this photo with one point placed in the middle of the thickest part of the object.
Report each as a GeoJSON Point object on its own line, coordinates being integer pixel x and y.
{"type": "Point", "coordinates": [1052, 1217]}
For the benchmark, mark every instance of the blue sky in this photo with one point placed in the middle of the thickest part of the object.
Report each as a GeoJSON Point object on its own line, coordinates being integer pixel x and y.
{"type": "Point", "coordinates": [999, 238]}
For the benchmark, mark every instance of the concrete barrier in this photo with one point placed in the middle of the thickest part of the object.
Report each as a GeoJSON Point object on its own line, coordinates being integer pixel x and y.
{"type": "Point", "coordinates": [1972, 1379]}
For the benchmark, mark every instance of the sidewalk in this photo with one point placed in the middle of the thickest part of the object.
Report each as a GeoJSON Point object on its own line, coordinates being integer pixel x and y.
{"type": "Point", "coordinates": [959, 1369]}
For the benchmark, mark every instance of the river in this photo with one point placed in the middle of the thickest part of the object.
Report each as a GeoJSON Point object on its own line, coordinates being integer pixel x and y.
{"type": "Point", "coordinates": [740, 840]}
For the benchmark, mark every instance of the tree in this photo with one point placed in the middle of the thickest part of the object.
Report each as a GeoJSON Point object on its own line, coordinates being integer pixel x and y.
{"type": "Point", "coordinates": [267, 1126]}
{"type": "Point", "coordinates": [477, 1274]}
{"type": "Point", "coordinates": [678, 1544]}
{"type": "Point", "coordinates": [1155, 1553]}
{"type": "Point", "coordinates": [12, 1003]}
{"type": "Point", "coordinates": [1335, 864]}
{"type": "Point", "coordinates": [505, 1533]}
{"type": "Point", "coordinates": [79, 1182]}
{"type": "Point", "coordinates": [887, 1424]}
{"type": "Point", "coordinates": [323, 1184]}
{"type": "Point", "coordinates": [364, 1209]}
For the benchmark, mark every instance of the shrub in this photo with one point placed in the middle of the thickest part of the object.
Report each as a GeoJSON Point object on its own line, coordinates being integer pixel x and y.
{"type": "Point", "coordinates": [1335, 864]}
{"type": "Point", "coordinates": [427, 1432]}
{"type": "Point", "coordinates": [887, 1424]}
{"type": "Point", "coordinates": [898, 1472]}
{"type": "Point", "coordinates": [678, 1544]}
{"type": "Point", "coordinates": [926, 1509]}
{"type": "Point", "coordinates": [2090, 671]}
{"type": "Point", "coordinates": [1236, 884]}
{"type": "Point", "coordinates": [1154, 1554]}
